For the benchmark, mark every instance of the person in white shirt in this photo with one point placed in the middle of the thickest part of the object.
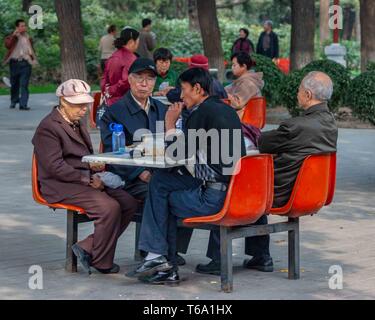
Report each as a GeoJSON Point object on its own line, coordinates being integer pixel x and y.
{"type": "Point", "coordinates": [106, 45]}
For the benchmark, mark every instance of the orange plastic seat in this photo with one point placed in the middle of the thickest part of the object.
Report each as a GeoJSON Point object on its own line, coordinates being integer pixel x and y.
{"type": "Point", "coordinates": [182, 59]}
{"type": "Point", "coordinates": [255, 112]}
{"type": "Point", "coordinates": [38, 196]}
{"type": "Point", "coordinates": [97, 97]}
{"type": "Point", "coordinates": [283, 64]}
{"type": "Point", "coordinates": [249, 196]}
{"type": "Point", "coordinates": [332, 180]}
{"type": "Point", "coordinates": [314, 187]}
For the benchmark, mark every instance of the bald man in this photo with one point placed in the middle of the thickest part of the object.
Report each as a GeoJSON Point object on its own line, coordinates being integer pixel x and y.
{"type": "Point", "coordinates": [313, 132]}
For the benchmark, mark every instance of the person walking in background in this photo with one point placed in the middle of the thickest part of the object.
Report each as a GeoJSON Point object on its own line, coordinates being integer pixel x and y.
{"type": "Point", "coordinates": [107, 45]}
{"type": "Point", "coordinates": [243, 43]}
{"type": "Point", "coordinates": [268, 44]}
{"type": "Point", "coordinates": [147, 40]}
{"type": "Point", "coordinates": [115, 81]}
{"type": "Point", "coordinates": [21, 57]}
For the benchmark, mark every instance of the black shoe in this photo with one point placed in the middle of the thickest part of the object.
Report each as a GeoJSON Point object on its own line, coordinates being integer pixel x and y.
{"type": "Point", "coordinates": [170, 277]}
{"type": "Point", "coordinates": [83, 257]}
{"type": "Point", "coordinates": [263, 263]}
{"type": "Point", "coordinates": [213, 267]}
{"type": "Point", "coordinates": [180, 260]}
{"type": "Point", "coordinates": [25, 108]}
{"type": "Point", "coordinates": [149, 267]}
{"type": "Point", "coordinates": [12, 106]}
{"type": "Point", "coordinates": [115, 269]}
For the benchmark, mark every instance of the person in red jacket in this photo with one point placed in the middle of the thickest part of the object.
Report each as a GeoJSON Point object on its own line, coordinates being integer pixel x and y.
{"type": "Point", "coordinates": [115, 81]}
{"type": "Point", "coordinates": [243, 43]}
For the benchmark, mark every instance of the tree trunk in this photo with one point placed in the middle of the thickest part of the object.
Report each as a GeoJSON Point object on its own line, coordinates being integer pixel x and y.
{"type": "Point", "coordinates": [193, 15]}
{"type": "Point", "coordinates": [179, 9]}
{"type": "Point", "coordinates": [303, 32]}
{"type": "Point", "coordinates": [26, 5]}
{"type": "Point", "coordinates": [349, 21]}
{"type": "Point", "coordinates": [72, 48]}
{"type": "Point", "coordinates": [211, 37]}
{"type": "Point", "coordinates": [357, 28]}
{"type": "Point", "coordinates": [325, 33]}
{"type": "Point", "coordinates": [367, 33]}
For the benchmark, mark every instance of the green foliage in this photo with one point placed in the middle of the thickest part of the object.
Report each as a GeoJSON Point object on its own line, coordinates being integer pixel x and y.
{"type": "Point", "coordinates": [361, 96]}
{"type": "Point", "coordinates": [175, 35]}
{"type": "Point", "coordinates": [339, 75]}
{"type": "Point", "coordinates": [179, 67]}
{"type": "Point", "coordinates": [273, 78]}
{"type": "Point", "coordinates": [289, 90]}
{"type": "Point", "coordinates": [371, 66]}
{"type": "Point", "coordinates": [353, 56]}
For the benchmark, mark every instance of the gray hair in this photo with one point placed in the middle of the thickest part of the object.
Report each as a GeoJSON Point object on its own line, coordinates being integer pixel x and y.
{"type": "Point", "coordinates": [321, 87]}
{"type": "Point", "coordinates": [268, 23]}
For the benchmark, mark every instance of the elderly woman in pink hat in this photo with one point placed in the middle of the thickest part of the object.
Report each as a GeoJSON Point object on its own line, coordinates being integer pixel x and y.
{"type": "Point", "coordinates": [60, 142]}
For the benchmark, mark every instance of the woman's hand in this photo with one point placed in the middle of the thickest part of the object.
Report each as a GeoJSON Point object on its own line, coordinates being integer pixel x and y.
{"type": "Point", "coordinates": [96, 183]}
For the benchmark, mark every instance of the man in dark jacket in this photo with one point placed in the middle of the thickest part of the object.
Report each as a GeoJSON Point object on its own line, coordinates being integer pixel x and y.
{"type": "Point", "coordinates": [268, 43]}
{"type": "Point", "coordinates": [138, 111]}
{"type": "Point", "coordinates": [178, 194]}
{"type": "Point", "coordinates": [313, 132]}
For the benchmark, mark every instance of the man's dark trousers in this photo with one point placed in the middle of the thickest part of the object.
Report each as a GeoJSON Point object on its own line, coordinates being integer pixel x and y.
{"type": "Point", "coordinates": [139, 190]}
{"type": "Point", "coordinates": [20, 72]}
{"type": "Point", "coordinates": [172, 196]}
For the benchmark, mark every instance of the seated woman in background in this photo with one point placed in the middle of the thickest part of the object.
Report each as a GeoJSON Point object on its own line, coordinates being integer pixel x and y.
{"type": "Point", "coordinates": [167, 78]}
{"type": "Point", "coordinates": [248, 85]}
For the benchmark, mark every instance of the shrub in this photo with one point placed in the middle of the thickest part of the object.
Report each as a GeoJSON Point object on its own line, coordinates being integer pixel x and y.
{"type": "Point", "coordinates": [371, 66]}
{"type": "Point", "coordinates": [289, 90]}
{"type": "Point", "coordinates": [339, 75]}
{"type": "Point", "coordinates": [179, 67]}
{"type": "Point", "coordinates": [272, 76]}
{"type": "Point", "coordinates": [361, 96]}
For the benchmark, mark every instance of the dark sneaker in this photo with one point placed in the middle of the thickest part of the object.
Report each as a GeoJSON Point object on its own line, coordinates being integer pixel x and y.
{"type": "Point", "coordinates": [12, 106]}
{"type": "Point", "coordinates": [213, 267]}
{"type": "Point", "coordinates": [149, 267]}
{"type": "Point", "coordinates": [170, 277]}
{"type": "Point", "coordinates": [83, 257]}
{"type": "Point", "coordinates": [263, 263]}
{"type": "Point", "coordinates": [180, 260]}
{"type": "Point", "coordinates": [115, 269]}
{"type": "Point", "coordinates": [25, 108]}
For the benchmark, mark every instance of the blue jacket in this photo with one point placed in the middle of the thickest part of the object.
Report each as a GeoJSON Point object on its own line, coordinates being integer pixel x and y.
{"type": "Point", "coordinates": [128, 113]}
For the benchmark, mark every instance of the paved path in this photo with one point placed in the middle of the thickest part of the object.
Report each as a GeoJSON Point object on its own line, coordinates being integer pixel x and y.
{"type": "Point", "coordinates": [342, 234]}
